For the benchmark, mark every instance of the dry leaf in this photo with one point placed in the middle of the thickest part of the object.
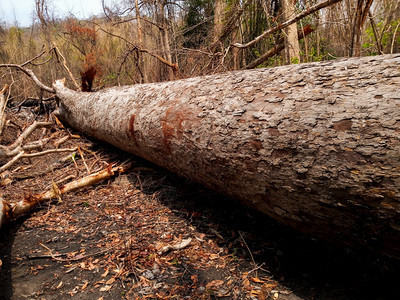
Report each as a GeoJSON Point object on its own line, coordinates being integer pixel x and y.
{"type": "Point", "coordinates": [59, 285]}
{"type": "Point", "coordinates": [255, 279]}
{"type": "Point", "coordinates": [105, 288]}
{"type": "Point", "coordinates": [254, 293]}
{"type": "Point", "coordinates": [246, 282]}
{"type": "Point", "coordinates": [223, 293]}
{"type": "Point", "coordinates": [111, 280]}
{"type": "Point", "coordinates": [105, 273]}
{"type": "Point", "coordinates": [213, 284]}
{"type": "Point", "coordinates": [214, 256]}
{"type": "Point", "coordinates": [85, 285]}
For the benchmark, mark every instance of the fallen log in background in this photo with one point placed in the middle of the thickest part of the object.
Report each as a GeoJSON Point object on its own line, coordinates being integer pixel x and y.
{"type": "Point", "coordinates": [315, 146]}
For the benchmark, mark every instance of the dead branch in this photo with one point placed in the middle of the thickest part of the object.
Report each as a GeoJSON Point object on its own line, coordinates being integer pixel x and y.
{"type": "Point", "coordinates": [56, 165]}
{"type": "Point", "coordinates": [16, 147]}
{"type": "Point", "coordinates": [22, 154]}
{"type": "Point", "coordinates": [64, 64]}
{"type": "Point", "coordinates": [78, 257]}
{"type": "Point", "coordinates": [278, 47]}
{"type": "Point", "coordinates": [283, 25]}
{"type": "Point", "coordinates": [173, 66]}
{"type": "Point", "coordinates": [29, 72]}
{"type": "Point", "coordinates": [9, 211]}
{"type": "Point", "coordinates": [376, 34]}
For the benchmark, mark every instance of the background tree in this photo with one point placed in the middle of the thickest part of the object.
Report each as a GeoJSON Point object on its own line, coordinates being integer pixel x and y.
{"type": "Point", "coordinates": [292, 48]}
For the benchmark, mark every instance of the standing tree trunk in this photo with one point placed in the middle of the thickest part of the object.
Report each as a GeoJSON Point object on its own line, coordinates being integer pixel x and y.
{"type": "Point", "coordinates": [359, 20]}
{"type": "Point", "coordinates": [164, 37]}
{"type": "Point", "coordinates": [140, 40]}
{"type": "Point", "coordinates": [219, 9]}
{"type": "Point", "coordinates": [316, 146]}
{"type": "Point", "coordinates": [292, 48]}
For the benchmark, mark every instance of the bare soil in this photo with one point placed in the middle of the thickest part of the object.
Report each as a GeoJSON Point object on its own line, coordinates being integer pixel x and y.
{"type": "Point", "coordinates": [106, 241]}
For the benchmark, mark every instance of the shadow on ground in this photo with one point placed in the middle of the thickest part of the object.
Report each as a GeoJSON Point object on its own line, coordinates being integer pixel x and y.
{"type": "Point", "coordinates": [7, 237]}
{"type": "Point", "coordinates": [307, 267]}
{"type": "Point", "coordinates": [311, 268]}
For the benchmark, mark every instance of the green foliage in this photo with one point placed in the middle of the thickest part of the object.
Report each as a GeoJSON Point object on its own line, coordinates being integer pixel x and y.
{"type": "Point", "coordinates": [387, 30]}
{"type": "Point", "coordinates": [314, 54]}
{"type": "Point", "coordinates": [295, 60]}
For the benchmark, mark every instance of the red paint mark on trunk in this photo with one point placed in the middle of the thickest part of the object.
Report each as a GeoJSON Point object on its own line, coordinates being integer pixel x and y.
{"type": "Point", "coordinates": [132, 129]}
{"type": "Point", "coordinates": [172, 126]}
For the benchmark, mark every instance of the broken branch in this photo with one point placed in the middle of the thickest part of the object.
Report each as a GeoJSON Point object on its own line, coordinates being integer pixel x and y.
{"type": "Point", "coordinates": [9, 211]}
{"type": "Point", "coordinates": [29, 72]}
{"type": "Point", "coordinates": [283, 25]}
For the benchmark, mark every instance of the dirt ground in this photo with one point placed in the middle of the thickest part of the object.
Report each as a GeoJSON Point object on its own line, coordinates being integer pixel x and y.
{"type": "Point", "coordinates": [122, 238]}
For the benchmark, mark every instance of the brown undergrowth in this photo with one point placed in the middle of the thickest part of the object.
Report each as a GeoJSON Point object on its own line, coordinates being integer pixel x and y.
{"type": "Point", "coordinates": [121, 239]}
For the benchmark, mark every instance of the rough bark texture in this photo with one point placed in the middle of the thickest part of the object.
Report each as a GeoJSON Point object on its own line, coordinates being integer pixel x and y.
{"type": "Point", "coordinates": [292, 48]}
{"type": "Point", "coordinates": [316, 146]}
{"type": "Point", "coordinates": [219, 9]}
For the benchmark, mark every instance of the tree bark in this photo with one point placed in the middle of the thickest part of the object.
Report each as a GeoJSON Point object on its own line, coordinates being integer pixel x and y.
{"type": "Point", "coordinates": [359, 20]}
{"type": "Point", "coordinates": [140, 41]}
{"type": "Point", "coordinates": [315, 146]}
{"type": "Point", "coordinates": [292, 48]}
{"type": "Point", "coordinates": [219, 9]}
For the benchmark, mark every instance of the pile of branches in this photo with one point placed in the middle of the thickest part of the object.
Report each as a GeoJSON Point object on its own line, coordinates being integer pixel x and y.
{"type": "Point", "coordinates": [36, 140]}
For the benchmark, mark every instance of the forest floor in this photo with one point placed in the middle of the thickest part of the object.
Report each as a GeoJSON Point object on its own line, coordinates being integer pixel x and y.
{"type": "Point", "coordinates": [111, 240]}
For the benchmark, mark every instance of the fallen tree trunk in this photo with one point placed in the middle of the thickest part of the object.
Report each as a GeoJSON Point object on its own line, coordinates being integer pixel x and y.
{"type": "Point", "coordinates": [315, 146]}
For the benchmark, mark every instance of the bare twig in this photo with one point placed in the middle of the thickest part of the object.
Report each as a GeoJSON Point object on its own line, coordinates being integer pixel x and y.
{"type": "Point", "coordinates": [164, 61]}
{"type": "Point", "coordinates": [22, 154]}
{"type": "Point", "coordinates": [16, 147]}
{"type": "Point", "coordinates": [248, 249]}
{"type": "Point", "coordinates": [78, 257]}
{"type": "Point", "coordinates": [279, 46]}
{"type": "Point", "coordinates": [83, 159]}
{"type": "Point", "coordinates": [64, 64]}
{"type": "Point", "coordinates": [375, 31]}
{"type": "Point", "coordinates": [394, 38]}
{"type": "Point", "coordinates": [29, 72]}
{"type": "Point", "coordinates": [49, 152]}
